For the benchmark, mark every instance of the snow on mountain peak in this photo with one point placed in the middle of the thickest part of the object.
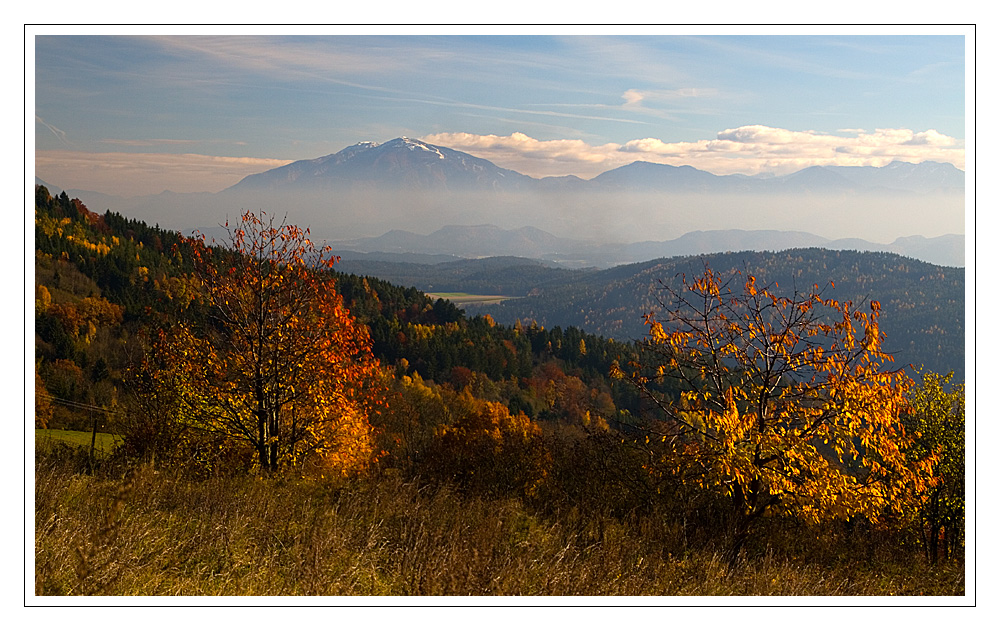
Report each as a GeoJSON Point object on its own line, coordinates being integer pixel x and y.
{"type": "Point", "coordinates": [414, 145]}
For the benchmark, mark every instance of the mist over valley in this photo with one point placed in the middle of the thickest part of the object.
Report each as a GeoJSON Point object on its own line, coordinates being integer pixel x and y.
{"type": "Point", "coordinates": [410, 196]}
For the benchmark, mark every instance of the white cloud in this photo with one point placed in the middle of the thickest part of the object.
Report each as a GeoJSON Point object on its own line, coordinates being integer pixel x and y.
{"type": "Point", "coordinates": [632, 98]}
{"type": "Point", "coordinates": [529, 155]}
{"type": "Point", "coordinates": [749, 149]}
{"type": "Point", "coordinates": [930, 137]}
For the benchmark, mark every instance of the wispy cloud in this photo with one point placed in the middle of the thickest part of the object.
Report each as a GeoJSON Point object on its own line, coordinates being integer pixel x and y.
{"type": "Point", "coordinates": [379, 70]}
{"type": "Point", "coordinates": [147, 142]}
{"type": "Point", "coordinates": [130, 174]}
{"type": "Point", "coordinates": [739, 49]}
{"type": "Point", "coordinates": [749, 149]}
{"type": "Point", "coordinates": [633, 97]}
{"type": "Point", "coordinates": [279, 56]}
{"type": "Point", "coordinates": [520, 110]}
{"type": "Point", "coordinates": [58, 133]}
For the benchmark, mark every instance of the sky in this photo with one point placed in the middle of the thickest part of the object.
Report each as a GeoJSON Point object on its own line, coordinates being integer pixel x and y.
{"type": "Point", "coordinates": [135, 115]}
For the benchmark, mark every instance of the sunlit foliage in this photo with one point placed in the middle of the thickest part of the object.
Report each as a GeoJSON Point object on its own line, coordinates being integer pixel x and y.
{"type": "Point", "coordinates": [938, 421]}
{"type": "Point", "coordinates": [490, 451]}
{"type": "Point", "coordinates": [787, 404]}
{"type": "Point", "coordinates": [281, 365]}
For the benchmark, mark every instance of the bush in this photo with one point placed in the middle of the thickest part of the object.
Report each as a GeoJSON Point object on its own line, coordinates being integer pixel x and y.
{"type": "Point", "coordinates": [491, 452]}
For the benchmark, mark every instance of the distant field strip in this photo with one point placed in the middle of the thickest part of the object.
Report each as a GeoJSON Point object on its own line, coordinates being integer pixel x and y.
{"type": "Point", "coordinates": [460, 298]}
{"type": "Point", "coordinates": [105, 442]}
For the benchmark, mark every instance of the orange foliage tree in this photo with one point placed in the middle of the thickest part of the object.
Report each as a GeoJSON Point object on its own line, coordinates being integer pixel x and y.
{"type": "Point", "coordinates": [281, 364]}
{"type": "Point", "coordinates": [785, 404]}
{"type": "Point", "coordinates": [490, 450]}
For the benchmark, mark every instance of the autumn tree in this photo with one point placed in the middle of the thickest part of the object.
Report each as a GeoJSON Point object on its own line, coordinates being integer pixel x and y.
{"type": "Point", "coordinates": [43, 406]}
{"type": "Point", "coordinates": [281, 364]}
{"type": "Point", "coordinates": [489, 450]}
{"type": "Point", "coordinates": [937, 419]}
{"type": "Point", "coordinates": [407, 427]}
{"type": "Point", "coordinates": [787, 403]}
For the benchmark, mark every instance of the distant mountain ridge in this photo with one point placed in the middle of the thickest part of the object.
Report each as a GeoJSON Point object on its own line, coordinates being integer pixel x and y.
{"type": "Point", "coordinates": [529, 242]}
{"type": "Point", "coordinates": [406, 163]}
{"type": "Point", "coordinates": [414, 187]}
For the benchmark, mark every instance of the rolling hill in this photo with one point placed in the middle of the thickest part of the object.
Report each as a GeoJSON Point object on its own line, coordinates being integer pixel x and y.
{"type": "Point", "coordinates": [923, 305]}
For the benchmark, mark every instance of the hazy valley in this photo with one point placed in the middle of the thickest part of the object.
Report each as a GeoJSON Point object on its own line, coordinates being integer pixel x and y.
{"type": "Point", "coordinates": [408, 196]}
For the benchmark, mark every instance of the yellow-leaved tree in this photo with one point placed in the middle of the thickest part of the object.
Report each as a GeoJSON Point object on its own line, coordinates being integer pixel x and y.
{"type": "Point", "coordinates": [938, 419]}
{"type": "Point", "coordinates": [785, 403]}
{"type": "Point", "coordinates": [279, 363]}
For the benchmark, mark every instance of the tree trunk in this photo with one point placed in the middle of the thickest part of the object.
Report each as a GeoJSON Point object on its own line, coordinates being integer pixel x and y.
{"type": "Point", "coordinates": [935, 528]}
{"type": "Point", "coordinates": [93, 442]}
{"type": "Point", "coordinates": [262, 438]}
{"type": "Point", "coordinates": [740, 536]}
{"type": "Point", "coordinates": [264, 434]}
{"type": "Point", "coordinates": [740, 532]}
{"type": "Point", "coordinates": [273, 435]}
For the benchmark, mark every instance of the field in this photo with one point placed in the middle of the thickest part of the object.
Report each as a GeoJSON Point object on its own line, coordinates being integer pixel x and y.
{"type": "Point", "coordinates": [104, 443]}
{"type": "Point", "coordinates": [463, 299]}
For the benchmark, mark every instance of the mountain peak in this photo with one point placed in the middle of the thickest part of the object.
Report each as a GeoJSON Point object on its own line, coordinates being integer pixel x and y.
{"type": "Point", "coordinates": [413, 145]}
{"type": "Point", "coordinates": [401, 164]}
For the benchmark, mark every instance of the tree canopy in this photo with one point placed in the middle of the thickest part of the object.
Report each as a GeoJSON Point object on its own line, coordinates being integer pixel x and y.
{"type": "Point", "coordinates": [937, 418]}
{"type": "Point", "coordinates": [786, 402]}
{"type": "Point", "coordinates": [280, 363]}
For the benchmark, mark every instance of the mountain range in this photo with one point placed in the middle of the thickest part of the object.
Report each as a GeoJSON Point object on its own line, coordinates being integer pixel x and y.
{"type": "Point", "coordinates": [401, 164]}
{"type": "Point", "coordinates": [407, 164]}
{"type": "Point", "coordinates": [428, 199]}
{"type": "Point", "coordinates": [532, 243]}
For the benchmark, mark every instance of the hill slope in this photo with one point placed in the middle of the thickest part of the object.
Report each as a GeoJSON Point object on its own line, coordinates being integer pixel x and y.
{"type": "Point", "coordinates": [923, 305]}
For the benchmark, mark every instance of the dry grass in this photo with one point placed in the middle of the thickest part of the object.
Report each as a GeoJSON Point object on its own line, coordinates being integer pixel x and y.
{"type": "Point", "coordinates": [151, 533]}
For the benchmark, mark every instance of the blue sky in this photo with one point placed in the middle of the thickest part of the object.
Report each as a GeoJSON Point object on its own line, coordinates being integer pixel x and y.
{"type": "Point", "coordinates": [135, 115]}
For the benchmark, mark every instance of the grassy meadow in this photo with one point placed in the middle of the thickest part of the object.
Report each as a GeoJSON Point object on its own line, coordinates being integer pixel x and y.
{"type": "Point", "coordinates": [104, 443]}
{"type": "Point", "coordinates": [146, 532]}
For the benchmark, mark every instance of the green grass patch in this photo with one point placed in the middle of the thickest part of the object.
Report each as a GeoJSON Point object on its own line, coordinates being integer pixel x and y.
{"type": "Point", "coordinates": [104, 443]}
{"type": "Point", "coordinates": [462, 298]}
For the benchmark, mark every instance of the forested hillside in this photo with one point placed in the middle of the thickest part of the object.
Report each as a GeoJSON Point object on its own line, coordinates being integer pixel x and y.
{"type": "Point", "coordinates": [923, 305]}
{"type": "Point", "coordinates": [104, 282]}
{"type": "Point", "coordinates": [757, 415]}
{"type": "Point", "coordinates": [499, 275]}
